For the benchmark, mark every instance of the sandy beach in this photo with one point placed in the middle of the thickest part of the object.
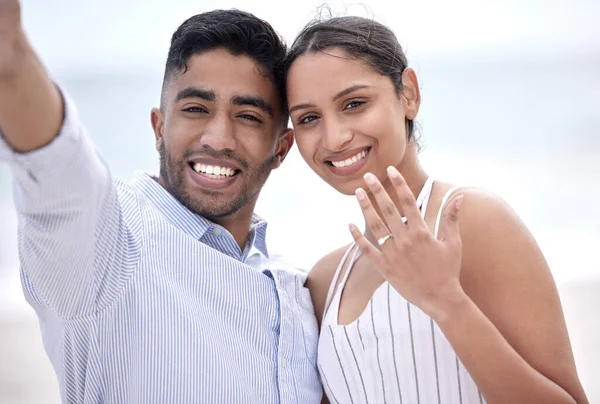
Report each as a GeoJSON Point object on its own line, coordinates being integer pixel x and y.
{"type": "Point", "coordinates": [26, 376]}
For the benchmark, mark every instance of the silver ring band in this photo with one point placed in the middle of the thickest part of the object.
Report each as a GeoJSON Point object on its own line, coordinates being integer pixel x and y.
{"type": "Point", "coordinates": [383, 239]}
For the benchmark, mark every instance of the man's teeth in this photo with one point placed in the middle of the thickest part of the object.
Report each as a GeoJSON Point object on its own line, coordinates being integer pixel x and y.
{"type": "Point", "coordinates": [214, 170]}
{"type": "Point", "coordinates": [350, 160]}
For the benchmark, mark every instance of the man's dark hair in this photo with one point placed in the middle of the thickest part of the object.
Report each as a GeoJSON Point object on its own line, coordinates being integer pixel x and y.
{"type": "Point", "coordinates": [238, 32]}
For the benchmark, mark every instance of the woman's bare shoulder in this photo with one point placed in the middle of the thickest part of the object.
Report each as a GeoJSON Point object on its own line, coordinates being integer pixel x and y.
{"type": "Point", "coordinates": [320, 277]}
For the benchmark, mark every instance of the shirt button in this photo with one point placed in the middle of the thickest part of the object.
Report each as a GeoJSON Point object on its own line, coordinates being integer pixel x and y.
{"type": "Point", "coordinates": [217, 231]}
{"type": "Point", "coordinates": [284, 363]}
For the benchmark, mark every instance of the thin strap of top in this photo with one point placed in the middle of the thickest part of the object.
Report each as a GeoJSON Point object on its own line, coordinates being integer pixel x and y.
{"type": "Point", "coordinates": [330, 293]}
{"type": "Point", "coordinates": [441, 210]}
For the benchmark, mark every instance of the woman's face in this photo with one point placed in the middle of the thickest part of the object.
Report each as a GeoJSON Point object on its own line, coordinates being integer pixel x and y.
{"type": "Point", "coordinates": [348, 118]}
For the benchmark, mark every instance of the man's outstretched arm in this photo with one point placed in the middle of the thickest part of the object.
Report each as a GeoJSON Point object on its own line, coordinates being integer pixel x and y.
{"type": "Point", "coordinates": [73, 237]}
{"type": "Point", "coordinates": [31, 108]}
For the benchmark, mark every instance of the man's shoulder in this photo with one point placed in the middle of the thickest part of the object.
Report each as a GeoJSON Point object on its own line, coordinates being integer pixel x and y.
{"type": "Point", "coordinates": [285, 263]}
{"type": "Point", "coordinates": [276, 261]}
{"type": "Point", "coordinates": [129, 189]}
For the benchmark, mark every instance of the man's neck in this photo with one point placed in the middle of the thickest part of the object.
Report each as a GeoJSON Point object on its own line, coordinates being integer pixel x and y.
{"type": "Point", "coordinates": [238, 225]}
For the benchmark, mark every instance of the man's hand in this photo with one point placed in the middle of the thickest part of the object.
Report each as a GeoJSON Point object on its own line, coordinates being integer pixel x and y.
{"type": "Point", "coordinates": [10, 16]}
{"type": "Point", "coordinates": [31, 108]}
{"type": "Point", "coordinates": [10, 33]}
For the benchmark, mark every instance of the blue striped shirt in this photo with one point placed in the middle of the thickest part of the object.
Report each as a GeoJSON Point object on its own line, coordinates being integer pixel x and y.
{"type": "Point", "coordinates": [142, 301]}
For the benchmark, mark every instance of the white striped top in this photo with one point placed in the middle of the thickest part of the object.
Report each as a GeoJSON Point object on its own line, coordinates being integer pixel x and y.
{"type": "Point", "coordinates": [393, 352]}
{"type": "Point", "coordinates": [142, 301]}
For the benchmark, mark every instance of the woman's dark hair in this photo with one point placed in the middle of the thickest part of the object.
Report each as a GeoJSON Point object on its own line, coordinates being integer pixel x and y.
{"type": "Point", "coordinates": [360, 38]}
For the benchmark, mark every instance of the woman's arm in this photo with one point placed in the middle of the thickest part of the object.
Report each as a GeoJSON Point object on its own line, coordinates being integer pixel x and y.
{"type": "Point", "coordinates": [509, 329]}
{"type": "Point", "coordinates": [497, 303]}
{"type": "Point", "coordinates": [319, 279]}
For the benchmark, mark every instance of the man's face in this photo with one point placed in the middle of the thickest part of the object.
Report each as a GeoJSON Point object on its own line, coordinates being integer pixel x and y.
{"type": "Point", "coordinates": [219, 134]}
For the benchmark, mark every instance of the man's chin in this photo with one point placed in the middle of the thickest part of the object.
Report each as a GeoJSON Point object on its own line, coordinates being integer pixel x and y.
{"type": "Point", "coordinates": [211, 204]}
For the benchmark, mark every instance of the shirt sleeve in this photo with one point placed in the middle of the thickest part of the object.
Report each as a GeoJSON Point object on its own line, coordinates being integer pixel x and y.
{"type": "Point", "coordinates": [71, 231]}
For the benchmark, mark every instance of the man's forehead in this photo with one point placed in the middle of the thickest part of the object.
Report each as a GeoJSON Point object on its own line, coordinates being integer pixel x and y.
{"type": "Point", "coordinates": [222, 88]}
{"type": "Point", "coordinates": [222, 66]}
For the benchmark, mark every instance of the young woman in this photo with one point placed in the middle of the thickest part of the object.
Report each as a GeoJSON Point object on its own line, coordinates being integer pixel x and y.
{"type": "Point", "coordinates": [429, 305]}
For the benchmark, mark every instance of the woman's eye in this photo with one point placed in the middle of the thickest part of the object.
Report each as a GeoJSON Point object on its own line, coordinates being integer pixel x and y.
{"type": "Point", "coordinates": [307, 119]}
{"type": "Point", "coordinates": [354, 104]}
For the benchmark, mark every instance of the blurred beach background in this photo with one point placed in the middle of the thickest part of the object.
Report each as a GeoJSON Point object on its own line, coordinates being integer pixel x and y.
{"type": "Point", "coordinates": [510, 102]}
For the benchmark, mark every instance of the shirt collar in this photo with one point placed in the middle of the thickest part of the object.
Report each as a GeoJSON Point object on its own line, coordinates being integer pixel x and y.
{"type": "Point", "coordinates": [259, 228]}
{"type": "Point", "coordinates": [189, 222]}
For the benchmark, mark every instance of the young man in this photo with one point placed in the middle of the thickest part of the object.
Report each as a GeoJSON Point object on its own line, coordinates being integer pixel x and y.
{"type": "Point", "coordinates": [144, 290]}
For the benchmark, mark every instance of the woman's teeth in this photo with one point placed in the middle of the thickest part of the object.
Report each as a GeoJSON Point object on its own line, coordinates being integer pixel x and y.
{"type": "Point", "coordinates": [351, 160]}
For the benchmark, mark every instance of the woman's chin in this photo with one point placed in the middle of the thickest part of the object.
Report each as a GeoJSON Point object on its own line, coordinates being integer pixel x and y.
{"type": "Point", "coordinates": [346, 187]}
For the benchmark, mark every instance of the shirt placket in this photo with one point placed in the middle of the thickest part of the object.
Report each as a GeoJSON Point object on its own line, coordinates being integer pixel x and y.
{"type": "Point", "coordinates": [286, 340]}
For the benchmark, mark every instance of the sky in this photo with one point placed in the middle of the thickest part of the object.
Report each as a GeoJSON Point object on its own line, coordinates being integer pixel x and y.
{"type": "Point", "coordinates": [75, 34]}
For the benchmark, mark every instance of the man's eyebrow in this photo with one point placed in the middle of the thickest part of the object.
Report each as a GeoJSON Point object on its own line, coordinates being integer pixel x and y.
{"type": "Point", "coordinates": [195, 92]}
{"type": "Point", "coordinates": [254, 101]}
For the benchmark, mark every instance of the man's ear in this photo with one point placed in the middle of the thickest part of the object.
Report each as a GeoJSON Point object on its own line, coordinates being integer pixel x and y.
{"type": "Point", "coordinates": [158, 122]}
{"type": "Point", "coordinates": [284, 145]}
